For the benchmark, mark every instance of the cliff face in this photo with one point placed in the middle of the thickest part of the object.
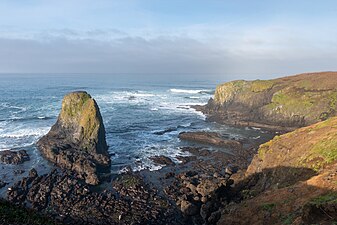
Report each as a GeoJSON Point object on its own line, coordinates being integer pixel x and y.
{"type": "Point", "coordinates": [77, 140]}
{"type": "Point", "coordinates": [285, 103]}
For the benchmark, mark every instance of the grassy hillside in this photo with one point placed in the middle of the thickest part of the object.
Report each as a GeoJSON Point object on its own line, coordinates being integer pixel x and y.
{"type": "Point", "coordinates": [294, 101]}
{"type": "Point", "coordinates": [291, 180]}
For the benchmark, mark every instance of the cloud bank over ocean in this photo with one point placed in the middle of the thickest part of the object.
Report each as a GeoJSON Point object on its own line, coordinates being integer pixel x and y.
{"type": "Point", "coordinates": [129, 37]}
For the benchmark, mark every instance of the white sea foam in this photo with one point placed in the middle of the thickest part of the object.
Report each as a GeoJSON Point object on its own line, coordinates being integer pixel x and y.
{"type": "Point", "coordinates": [188, 91]}
{"type": "Point", "coordinates": [193, 97]}
{"type": "Point", "coordinates": [155, 150]}
{"type": "Point", "coordinates": [25, 132]}
{"type": "Point", "coordinates": [130, 97]}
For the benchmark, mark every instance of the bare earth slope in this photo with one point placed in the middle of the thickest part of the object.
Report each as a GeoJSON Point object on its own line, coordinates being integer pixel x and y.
{"type": "Point", "coordinates": [292, 180]}
{"type": "Point", "coordinates": [282, 104]}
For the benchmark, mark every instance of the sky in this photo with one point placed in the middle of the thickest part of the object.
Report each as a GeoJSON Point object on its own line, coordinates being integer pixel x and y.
{"type": "Point", "coordinates": [250, 39]}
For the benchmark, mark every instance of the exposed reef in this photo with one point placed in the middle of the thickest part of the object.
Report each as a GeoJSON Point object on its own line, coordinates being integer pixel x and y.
{"type": "Point", "coordinates": [77, 140]}
{"type": "Point", "coordinates": [281, 104]}
{"type": "Point", "coordinates": [14, 157]}
{"type": "Point", "coordinates": [210, 138]}
{"type": "Point", "coordinates": [70, 201]}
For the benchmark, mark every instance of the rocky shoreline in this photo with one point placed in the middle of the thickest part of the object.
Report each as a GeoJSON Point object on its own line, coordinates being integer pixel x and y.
{"type": "Point", "coordinates": [207, 187]}
{"type": "Point", "coordinates": [192, 192]}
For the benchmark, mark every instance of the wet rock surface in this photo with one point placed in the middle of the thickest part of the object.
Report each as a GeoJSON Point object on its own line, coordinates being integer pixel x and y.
{"type": "Point", "coordinates": [77, 141]}
{"type": "Point", "coordinates": [14, 157]}
{"type": "Point", "coordinates": [201, 186]}
{"type": "Point", "coordinates": [199, 195]}
{"type": "Point", "coordinates": [162, 160]}
{"type": "Point", "coordinates": [211, 138]}
{"type": "Point", "coordinates": [71, 201]}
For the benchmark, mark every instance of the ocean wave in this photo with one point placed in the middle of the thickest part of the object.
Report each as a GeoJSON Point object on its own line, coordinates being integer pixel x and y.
{"type": "Point", "coordinates": [189, 91]}
{"type": "Point", "coordinates": [20, 118]}
{"type": "Point", "coordinates": [134, 97]}
{"type": "Point", "coordinates": [144, 162]}
{"type": "Point", "coordinates": [25, 132]}
{"type": "Point", "coordinates": [192, 97]}
{"type": "Point", "coordinates": [9, 106]}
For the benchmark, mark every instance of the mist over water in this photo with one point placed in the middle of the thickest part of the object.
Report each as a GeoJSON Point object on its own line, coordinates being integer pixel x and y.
{"type": "Point", "coordinates": [142, 117]}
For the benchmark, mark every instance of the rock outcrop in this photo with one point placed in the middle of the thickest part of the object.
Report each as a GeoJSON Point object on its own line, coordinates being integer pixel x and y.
{"type": "Point", "coordinates": [63, 197]}
{"type": "Point", "coordinates": [77, 141]}
{"type": "Point", "coordinates": [14, 157]}
{"type": "Point", "coordinates": [209, 138]}
{"type": "Point", "coordinates": [281, 104]}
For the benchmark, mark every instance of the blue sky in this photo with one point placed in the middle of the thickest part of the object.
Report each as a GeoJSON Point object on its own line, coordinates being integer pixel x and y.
{"type": "Point", "coordinates": [234, 38]}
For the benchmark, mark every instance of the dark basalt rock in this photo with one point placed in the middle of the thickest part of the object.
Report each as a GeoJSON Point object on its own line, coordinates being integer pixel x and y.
{"type": "Point", "coordinates": [63, 197]}
{"type": "Point", "coordinates": [14, 157]}
{"type": "Point", "coordinates": [77, 141]}
{"type": "Point", "coordinates": [199, 195]}
{"type": "Point", "coordinates": [162, 160]}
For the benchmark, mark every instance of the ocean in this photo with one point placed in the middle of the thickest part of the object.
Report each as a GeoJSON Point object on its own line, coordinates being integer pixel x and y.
{"type": "Point", "coordinates": [142, 115]}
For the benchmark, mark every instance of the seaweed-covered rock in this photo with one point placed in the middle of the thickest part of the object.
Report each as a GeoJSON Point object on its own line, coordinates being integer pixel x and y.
{"type": "Point", "coordinates": [77, 140]}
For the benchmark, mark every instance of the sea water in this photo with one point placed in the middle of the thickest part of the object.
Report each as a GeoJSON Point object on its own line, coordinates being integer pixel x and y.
{"type": "Point", "coordinates": [142, 115]}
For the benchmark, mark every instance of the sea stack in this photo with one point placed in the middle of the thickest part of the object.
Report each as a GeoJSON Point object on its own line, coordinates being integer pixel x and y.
{"type": "Point", "coordinates": [77, 140]}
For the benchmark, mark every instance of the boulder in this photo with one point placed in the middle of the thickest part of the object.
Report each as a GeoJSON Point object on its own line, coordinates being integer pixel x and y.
{"type": "Point", "coordinates": [14, 157]}
{"type": "Point", "coordinates": [162, 160]}
{"type": "Point", "coordinates": [77, 140]}
{"type": "Point", "coordinates": [188, 208]}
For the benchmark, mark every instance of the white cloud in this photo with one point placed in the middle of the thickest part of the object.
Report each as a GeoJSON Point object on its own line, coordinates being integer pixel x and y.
{"type": "Point", "coordinates": [227, 49]}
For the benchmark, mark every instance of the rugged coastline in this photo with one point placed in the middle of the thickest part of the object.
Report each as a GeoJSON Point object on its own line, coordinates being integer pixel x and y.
{"type": "Point", "coordinates": [282, 104]}
{"type": "Point", "coordinates": [207, 187]}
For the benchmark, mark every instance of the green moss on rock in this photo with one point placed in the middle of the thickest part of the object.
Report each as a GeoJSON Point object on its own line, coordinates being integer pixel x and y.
{"type": "Point", "coordinates": [225, 92]}
{"type": "Point", "coordinates": [261, 85]}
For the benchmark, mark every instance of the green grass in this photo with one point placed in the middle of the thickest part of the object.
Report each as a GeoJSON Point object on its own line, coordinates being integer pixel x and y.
{"type": "Point", "coordinates": [333, 102]}
{"type": "Point", "coordinates": [287, 220]}
{"type": "Point", "coordinates": [326, 148]}
{"type": "Point", "coordinates": [12, 214]}
{"type": "Point", "coordinates": [330, 198]}
{"type": "Point", "coordinates": [268, 207]}
{"type": "Point", "coordinates": [261, 85]}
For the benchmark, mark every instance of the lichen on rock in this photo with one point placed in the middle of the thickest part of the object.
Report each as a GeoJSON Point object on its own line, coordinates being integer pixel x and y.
{"type": "Point", "coordinates": [77, 140]}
